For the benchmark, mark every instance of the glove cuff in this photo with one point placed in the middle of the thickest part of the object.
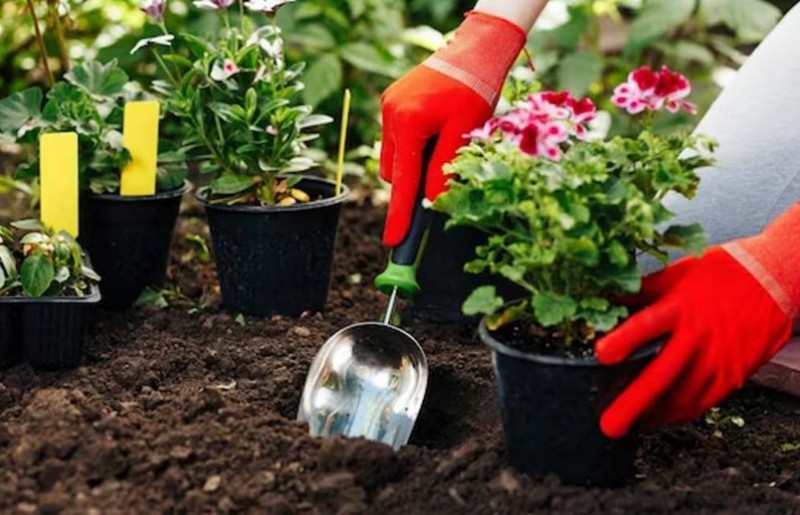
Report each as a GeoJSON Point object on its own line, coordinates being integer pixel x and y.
{"type": "Point", "coordinates": [773, 258]}
{"type": "Point", "coordinates": [480, 54]}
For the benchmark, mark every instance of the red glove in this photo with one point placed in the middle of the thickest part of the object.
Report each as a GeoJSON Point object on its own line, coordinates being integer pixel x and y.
{"type": "Point", "coordinates": [449, 95]}
{"type": "Point", "coordinates": [726, 314]}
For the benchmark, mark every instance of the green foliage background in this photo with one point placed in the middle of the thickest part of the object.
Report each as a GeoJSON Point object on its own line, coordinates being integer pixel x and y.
{"type": "Point", "coordinates": [586, 46]}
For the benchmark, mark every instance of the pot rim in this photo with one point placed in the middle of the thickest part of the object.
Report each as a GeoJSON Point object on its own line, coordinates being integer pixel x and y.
{"type": "Point", "coordinates": [177, 192]}
{"type": "Point", "coordinates": [201, 195]}
{"type": "Point", "coordinates": [93, 297]}
{"type": "Point", "coordinates": [496, 345]}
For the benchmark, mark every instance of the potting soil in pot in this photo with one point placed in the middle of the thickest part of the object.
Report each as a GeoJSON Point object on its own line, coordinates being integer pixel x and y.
{"type": "Point", "coordinates": [180, 412]}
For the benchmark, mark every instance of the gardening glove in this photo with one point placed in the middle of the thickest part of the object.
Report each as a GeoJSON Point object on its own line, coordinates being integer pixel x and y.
{"type": "Point", "coordinates": [450, 94]}
{"type": "Point", "coordinates": [726, 314]}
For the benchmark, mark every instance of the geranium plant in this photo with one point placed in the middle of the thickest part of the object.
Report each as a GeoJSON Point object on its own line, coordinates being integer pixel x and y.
{"type": "Point", "coordinates": [42, 263]}
{"type": "Point", "coordinates": [89, 102]}
{"type": "Point", "coordinates": [567, 216]}
{"type": "Point", "coordinates": [237, 98]}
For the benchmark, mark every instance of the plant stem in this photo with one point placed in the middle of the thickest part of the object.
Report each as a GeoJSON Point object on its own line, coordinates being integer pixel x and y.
{"type": "Point", "coordinates": [40, 41]}
{"type": "Point", "coordinates": [241, 16]}
{"type": "Point", "coordinates": [165, 68]}
{"type": "Point", "coordinates": [60, 40]}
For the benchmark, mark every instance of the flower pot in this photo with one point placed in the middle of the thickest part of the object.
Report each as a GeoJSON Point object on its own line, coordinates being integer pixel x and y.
{"type": "Point", "coordinates": [46, 332]}
{"type": "Point", "coordinates": [444, 283]}
{"type": "Point", "coordinates": [129, 239]}
{"type": "Point", "coordinates": [551, 407]}
{"type": "Point", "coordinates": [276, 260]}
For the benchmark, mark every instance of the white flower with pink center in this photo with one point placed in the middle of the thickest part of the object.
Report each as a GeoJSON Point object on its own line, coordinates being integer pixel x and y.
{"type": "Point", "coordinates": [224, 71]}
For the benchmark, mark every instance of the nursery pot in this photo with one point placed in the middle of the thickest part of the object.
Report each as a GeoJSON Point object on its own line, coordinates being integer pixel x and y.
{"type": "Point", "coordinates": [129, 239]}
{"type": "Point", "coordinates": [444, 283]}
{"type": "Point", "coordinates": [273, 259]}
{"type": "Point", "coordinates": [551, 407]}
{"type": "Point", "coordinates": [46, 332]}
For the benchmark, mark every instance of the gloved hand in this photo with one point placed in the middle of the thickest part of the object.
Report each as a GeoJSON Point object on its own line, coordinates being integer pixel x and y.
{"type": "Point", "coordinates": [449, 95]}
{"type": "Point", "coordinates": [726, 314]}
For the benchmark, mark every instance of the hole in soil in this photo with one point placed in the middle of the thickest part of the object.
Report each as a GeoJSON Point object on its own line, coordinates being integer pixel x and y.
{"type": "Point", "coordinates": [455, 409]}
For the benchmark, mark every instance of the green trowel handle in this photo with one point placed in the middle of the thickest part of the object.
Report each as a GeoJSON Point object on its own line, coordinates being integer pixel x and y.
{"type": "Point", "coordinates": [401, 272]}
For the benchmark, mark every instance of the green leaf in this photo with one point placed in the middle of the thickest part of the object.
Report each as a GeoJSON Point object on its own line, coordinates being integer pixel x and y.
{"type": "Point", "coordinates": [578, 71]}
{"type": "Point", "coordinates": [656, 19]}
{"type": "Point", "coordinates": [752, 20]}
{"type": "Point", "coordinates": [89, 273]}
{"type": "Point", "coordinates": [688, 237]}
{"type": "Point", "coordinates": [36, 275]}
{"type": "Point", "coordinates": [585, 251]}
{"type": "Point", "coordinates": [230, 184]}
{"type": "Point", "coordinates": [7, 263]}
{"type": "Point", "coordinates": [617, 254]}
{"type": "Point", "coordinates": [322, 79]}
{"type": "Point", "coordinates": [314, 120]}
{"type": "Point", "coordinates": [483, 301]}
{"type": "Point", "coordinates": [552, 309]}
{"type": "Point", "coordinates": [151, 298]}
{"type": "Point", "coordinates": [368, 58]}
{"type": "Point", "coordinates": [688, 51]}
{"type": "Point", "coordinates": [62, 274]}
{"type": "Point", "coordinates": [314, 37]}
{"type": "Point", "coordinates": [19, 109]}
{"type": "Point", "coordinates": [97, 79]}
{"type": "Point", "coordinates": [30, 224]}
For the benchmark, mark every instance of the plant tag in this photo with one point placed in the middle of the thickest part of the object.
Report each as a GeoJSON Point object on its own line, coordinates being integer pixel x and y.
{"type": "Point", "coordinates": [140, 137]}
{"type": "Point", "coordinates": [58, 176]}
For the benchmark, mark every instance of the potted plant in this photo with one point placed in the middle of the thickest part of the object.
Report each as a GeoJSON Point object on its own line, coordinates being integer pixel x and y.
{"type": "Point", "coordinates": [47, 290]}
{"type": "Point", "coordinates": [127, 237]}
{"type": "Point", "coordinates": [566, 218]}
{"type": "Point", "coordinates": [273, 230]}
{"type": "Point", "coordinates": [450, 248]}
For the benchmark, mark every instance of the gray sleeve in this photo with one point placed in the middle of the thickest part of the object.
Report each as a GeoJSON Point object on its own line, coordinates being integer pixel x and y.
{"type": "Point", "coordinates": [756, 122]}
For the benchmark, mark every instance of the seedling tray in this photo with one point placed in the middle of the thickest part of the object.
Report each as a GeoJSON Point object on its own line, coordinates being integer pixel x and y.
{"type": "Point", "coordinates": [46, 332]}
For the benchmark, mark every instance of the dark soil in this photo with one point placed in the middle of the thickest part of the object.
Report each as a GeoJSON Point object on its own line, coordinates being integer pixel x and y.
{"type": "Point", "coordinates": [187, 410]}
{"type": "Point", "coordinates": [533, 339]}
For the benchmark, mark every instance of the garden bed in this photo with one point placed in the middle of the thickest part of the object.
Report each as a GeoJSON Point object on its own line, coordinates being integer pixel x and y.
{"type": "Point", "coordinates": [176, 411]}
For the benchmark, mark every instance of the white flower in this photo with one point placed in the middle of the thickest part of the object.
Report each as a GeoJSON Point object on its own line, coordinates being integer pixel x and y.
{"type": "Point", "coordinates": [274, 49]}
{"type": "Point", "coordinates": [260, 74]}
{"type": "Point", "coordinates": [266, 6]}
{"type": "Point", "coordinates": [264, 32]}
{"type": "Point", "coordinates": [154, 8]}
{"type": "Point", "coordinates": [165, 40]}
{"type": "Point", "coordinates": [224, 71]}
{"type": "Point", "coordinates": [213, 4]}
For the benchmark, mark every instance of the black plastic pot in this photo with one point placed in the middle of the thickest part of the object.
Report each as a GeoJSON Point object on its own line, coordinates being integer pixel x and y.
{"type": "Point", "coordinates": [46, 332]}
{"type": "Point", "coordinates": [129, 239]}
{"type": "Point", "coordinates": [276, 260]}
{"type": "Point", "coordinates": [551, 407]}
{"type": "Point", "coordinates": [444, 283]}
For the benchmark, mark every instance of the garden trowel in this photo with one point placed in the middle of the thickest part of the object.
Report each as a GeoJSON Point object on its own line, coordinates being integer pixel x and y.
{"type": "Point", "coordinates": [369, 379]}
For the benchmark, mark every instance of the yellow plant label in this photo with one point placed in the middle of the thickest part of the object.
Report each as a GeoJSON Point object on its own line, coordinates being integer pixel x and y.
{"type": "Point", "coordinates": [140, 137]}
{"type": "Point", "coordinates": [58, 176]}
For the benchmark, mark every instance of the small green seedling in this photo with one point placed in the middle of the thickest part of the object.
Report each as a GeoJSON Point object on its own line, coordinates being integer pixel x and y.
{"type": "Point", "coordinates": [41, 263]}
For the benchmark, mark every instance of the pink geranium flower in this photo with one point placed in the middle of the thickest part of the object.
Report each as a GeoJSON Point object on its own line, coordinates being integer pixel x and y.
{"type": "Point", "coordinates": [648, 90]}
{"type": "Point", "coordinates": [541, 124]}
